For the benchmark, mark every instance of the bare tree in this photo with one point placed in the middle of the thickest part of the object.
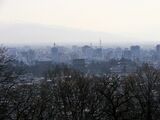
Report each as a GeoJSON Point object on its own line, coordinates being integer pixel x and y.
{"type": "Point", "coordinates": [144, 85]}
{"type": "Point", "coordinates": [74, 96]}
{"type": "Point", "coordinates": [7, 81]}
{"type": "Point", "coordinates": [116, 97]}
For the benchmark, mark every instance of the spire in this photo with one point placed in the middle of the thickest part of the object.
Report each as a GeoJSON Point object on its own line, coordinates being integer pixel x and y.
{"type": "Point", "coordinates": [54, 44]}
{"type": "Point", "coordinates": [100, 43]}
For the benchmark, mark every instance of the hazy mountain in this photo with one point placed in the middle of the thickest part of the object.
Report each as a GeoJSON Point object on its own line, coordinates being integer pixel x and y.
{"type": "Point", "coordinates": [39, 34]}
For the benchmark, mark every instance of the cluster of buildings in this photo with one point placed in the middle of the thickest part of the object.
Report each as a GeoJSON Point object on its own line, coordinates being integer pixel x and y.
{"type": "Point", "coordinates": [79, 56]}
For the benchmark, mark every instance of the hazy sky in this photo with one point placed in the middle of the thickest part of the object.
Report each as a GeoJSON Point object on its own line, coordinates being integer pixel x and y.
{"type": "Point", "coordinates": [133, 18]}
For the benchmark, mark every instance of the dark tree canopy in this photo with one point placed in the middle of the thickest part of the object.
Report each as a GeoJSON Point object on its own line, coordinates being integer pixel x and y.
{"type": "Point", "coordinates": [66, 94]}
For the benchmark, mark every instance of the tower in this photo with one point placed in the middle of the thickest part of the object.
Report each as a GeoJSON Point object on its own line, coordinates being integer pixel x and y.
{"type": "Point", "coordinates": [135, 51]}
{"type": "Point", "coordinates": [55, 54]}
{"type": "Point", "coordinates": [100, 43]}
{"type": "Point", "coordinates": [54, 44]}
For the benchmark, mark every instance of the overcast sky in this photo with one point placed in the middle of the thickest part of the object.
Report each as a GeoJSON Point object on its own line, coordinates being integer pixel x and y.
{"type": "Point", "coordinates": [131, 18]}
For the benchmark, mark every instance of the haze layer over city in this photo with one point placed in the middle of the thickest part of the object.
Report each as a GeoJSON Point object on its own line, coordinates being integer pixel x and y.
{"type": "Point", "coordinates": [79, 60]}
{"type": "Point", "coordinates": [80, 22]}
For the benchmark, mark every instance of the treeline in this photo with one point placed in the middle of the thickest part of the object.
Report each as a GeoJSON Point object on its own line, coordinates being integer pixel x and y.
{"type": "Point", "coordinates": [66, 94]}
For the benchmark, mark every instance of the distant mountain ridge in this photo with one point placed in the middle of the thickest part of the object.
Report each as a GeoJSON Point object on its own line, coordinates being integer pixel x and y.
{"type": "Point", "coordinates": [40, 34]}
